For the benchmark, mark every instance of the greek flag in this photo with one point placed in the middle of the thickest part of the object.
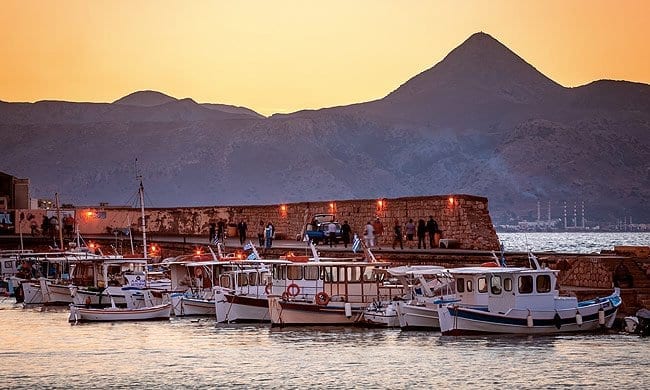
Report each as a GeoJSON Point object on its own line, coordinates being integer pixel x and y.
{"type": "Point", "coordinates": [252, 256]}
{"type": "Point", "coordinates": [215, 240]}
{"type": "Point", "coordinates": [503, 257]}
{"type": "Point", "coordinates": [248, 246]}
{"type": "Point", "coordinates": [356, 245]}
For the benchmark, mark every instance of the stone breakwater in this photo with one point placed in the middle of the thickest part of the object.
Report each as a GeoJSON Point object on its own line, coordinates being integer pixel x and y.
{"type": "Point", "coordinates": [463, 218]}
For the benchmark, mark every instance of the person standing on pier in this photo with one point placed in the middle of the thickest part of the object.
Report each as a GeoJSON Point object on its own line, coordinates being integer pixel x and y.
{"type": "Point", "coordinates": [369, 235]}
{"type": "Point", "coordinates": [432, 229]}
{"type": "Point", "coordinates": [410, 232]}
{"type": "Point", "coordinates": [213, 232]}
{"type": "Point", "coordinates": [422, 231]}
{"type": "Point", "coordinates": [269, 231]}
{"type": "Point", "coordinates": [397, 231]}
{"type": "Point", "coordinates": [379, 231]}
{"type": "Point", "coordinates": [331, 232]}
{"type": "Point", "coordinates": [241, 231]}
{"type": "Point", "coordinates": [221, 228]}
{"type": "Point", "coordinates": [345, 233]}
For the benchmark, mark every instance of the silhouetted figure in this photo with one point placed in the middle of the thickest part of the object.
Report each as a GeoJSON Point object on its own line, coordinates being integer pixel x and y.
{"type": "Point", "coordinates": [213, 232]}
{"type": "Point", "coordinates": [241, 231]}
{"type": "Point", "coordinates": [345, 233]}
{"type": "Point", "coordinates": [397, 232]}
{"type": "Point", "coordinates": [432, 229]}
{"type": "Point", "coordinates": [422, 232]}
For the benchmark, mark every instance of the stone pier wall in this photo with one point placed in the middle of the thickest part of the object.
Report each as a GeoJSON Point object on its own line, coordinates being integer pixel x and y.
{"type": "Point", "coordinates": [461, 217]}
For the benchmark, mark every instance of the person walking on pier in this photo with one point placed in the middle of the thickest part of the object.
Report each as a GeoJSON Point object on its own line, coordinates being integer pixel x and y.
{"type": "Point", "coordinates": [331, 233]}
{"type": "Point", "coordinates": [221, 228]}
{"type": "Point", "coordinates": [397, 231]}
{"type": "Point", "coordinates": [422, 231]}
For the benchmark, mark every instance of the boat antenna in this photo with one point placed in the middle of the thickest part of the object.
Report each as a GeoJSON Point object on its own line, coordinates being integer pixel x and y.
{"type": "Point", "coordinates": [58, 217]}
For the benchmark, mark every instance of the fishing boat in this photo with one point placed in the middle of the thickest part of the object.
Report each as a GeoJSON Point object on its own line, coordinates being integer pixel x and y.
{"type": "Point", "coordinates": [427, 285]}
{"type": "Point", "coordinates": [520, 301]}
{"type": "Point", "coordinates": [242, 293]}
{"type": "Point", "coordinates": [134, 311]}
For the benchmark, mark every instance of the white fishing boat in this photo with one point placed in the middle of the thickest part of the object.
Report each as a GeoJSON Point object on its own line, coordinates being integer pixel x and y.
{"type": "Point", "coordinates": [425, 284]}
{"type": "Point", "coordinates": [521, 301]}
{"type": "Point", "coordinates": [242, 293]}
{"type": "Point", "coordinates": [133, 312]}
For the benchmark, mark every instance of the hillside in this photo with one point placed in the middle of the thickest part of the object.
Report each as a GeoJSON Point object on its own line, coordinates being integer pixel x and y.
{"type": "Point", "coordinates": [481, 121]}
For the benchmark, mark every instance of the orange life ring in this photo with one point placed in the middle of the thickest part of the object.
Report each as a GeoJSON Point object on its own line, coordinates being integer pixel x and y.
{"type": "Point", "coordinates": [268, 289]}
{"type": "Point", "coordinates": [322, 299]}
{"type": "Point", "coordinates": [293, 290]}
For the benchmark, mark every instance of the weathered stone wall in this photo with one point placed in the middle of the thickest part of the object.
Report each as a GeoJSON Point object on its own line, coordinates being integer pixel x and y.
{"type": "Point", "coordinates": [462, 217]}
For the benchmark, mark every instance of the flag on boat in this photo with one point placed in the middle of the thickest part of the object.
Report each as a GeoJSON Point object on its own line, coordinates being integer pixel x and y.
{"type": "Point", "coordinates": [248, 246]}
{"type": "Point", "coordinates": [252, 256]}
{"type": "Point", "coordinates": [356, 245]}
{"type": "Point", "coordinates": [215, 240]}
{"type": "Point", "coordinates": [503, 257]}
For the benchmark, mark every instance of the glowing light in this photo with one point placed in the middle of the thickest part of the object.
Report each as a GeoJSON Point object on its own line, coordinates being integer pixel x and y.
{"type": "Point", "coordinates": [89, 214]}
{"type": "Point", "coordinates": [198, 252]}
{"type": "Point", "coordinates": [154, 248]}
{"type": "Point", "coordinates": [283, 208]}
{"type": "Point", "coordinates": [331, 205]}
{"type": "Point", "coordinates": [451, 200]}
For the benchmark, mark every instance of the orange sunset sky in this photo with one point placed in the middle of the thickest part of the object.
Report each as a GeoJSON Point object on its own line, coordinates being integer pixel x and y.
{"type": "Point", "coordinates": [283, 56]}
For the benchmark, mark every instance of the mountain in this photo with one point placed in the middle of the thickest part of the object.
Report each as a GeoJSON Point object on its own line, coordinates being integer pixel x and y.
{"type": "Point", "coordinates": [481, 121]}
{"type": "Point", "coordinates": [145, 99]}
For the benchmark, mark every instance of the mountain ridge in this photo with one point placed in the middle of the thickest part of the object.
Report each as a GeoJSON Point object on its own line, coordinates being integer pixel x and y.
{"type": "Point", "coordinates": [481, 121]}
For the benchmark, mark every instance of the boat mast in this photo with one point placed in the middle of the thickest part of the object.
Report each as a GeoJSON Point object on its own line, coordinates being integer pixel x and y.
{"type": "Point", "coordinates": [144, 225]}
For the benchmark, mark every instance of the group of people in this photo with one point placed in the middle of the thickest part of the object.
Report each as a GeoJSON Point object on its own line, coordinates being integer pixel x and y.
{"type": "Point", "coordinates": [375, 230]}
{"type": "Point", "coordinates": [372, 235]}
{"type": "Point", "coordinates": [265, 232]}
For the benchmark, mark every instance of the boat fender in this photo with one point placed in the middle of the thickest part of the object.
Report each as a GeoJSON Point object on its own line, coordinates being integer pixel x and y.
{"type": "Point", "coordinates": [529, 320]}
{"type": "Point", "coordinates": [348, 310]}
{"type": "Point", "coordinates": [88, 301]}
{"type": "Point", "coordinates": [578, 319]}
{"type": "Point", "coordinates": [322, 299]}
{"type": "Point", "coordinates": [601, 316]}
{"type": "Point", "coordinates": [268, 288]}
{"type": "Point", "coordinates": [293, 290]}
{"type": "Point", "coordinates": [285, 296]}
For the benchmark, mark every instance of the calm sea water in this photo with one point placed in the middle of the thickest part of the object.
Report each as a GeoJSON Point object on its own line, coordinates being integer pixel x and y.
{"type": "Point", "coordinates": [40, 349]}
{"type": "Point", "coordinates": [571, 242]}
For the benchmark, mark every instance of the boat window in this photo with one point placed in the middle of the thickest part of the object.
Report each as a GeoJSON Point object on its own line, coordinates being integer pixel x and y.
{"type": "Point", "coordinates": [507, 284]}
{"type": "Point", "coordinates": [252, 278]}
{"type": "Point", "coordinates": [354, 274]}
{"type": "Point", "coordinates": [543, 283]}
{"type": "Point", "coordinates": [265, 279]}
{"type": "Point", "coordinates": [224, 281]}
{"type": "Point", "coordinates": [280, 273]}
{"type": "Point", "coordinates": [460, 285]}
{"type": "Point", "coordinates": [470, 285]}
{"type": "Point", "coordinates": [327, 274]}
{"type": "Point", "coordinates": [525, 284]}
{"type": "Point", "coordinates": [482, 285]}
{"type": "Point", "coordinates": [495, 284]}
{"type": "Point", "coordinates": [311, 272]}
{"type": "Point", "coordinates": [242, 279]}
{"type": "Point", "coordinates": [370, 275]}
{"type": "Point", "coordinates": [294, 272]}
{"type": "Point", "coordinates": [341, 272]}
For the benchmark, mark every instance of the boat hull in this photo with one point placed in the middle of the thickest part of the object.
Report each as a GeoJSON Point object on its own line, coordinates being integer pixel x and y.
{"type": "Point", "coordinates": [414, 317]}
{"type": "Point", "coordinates": [185, 306]}
{"type": "Point", "coordinates": [241, 308]}
{"type": "Point", "coordinates": [382, 315]}
{"type": "Point", "coordinates": [287, 313]}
